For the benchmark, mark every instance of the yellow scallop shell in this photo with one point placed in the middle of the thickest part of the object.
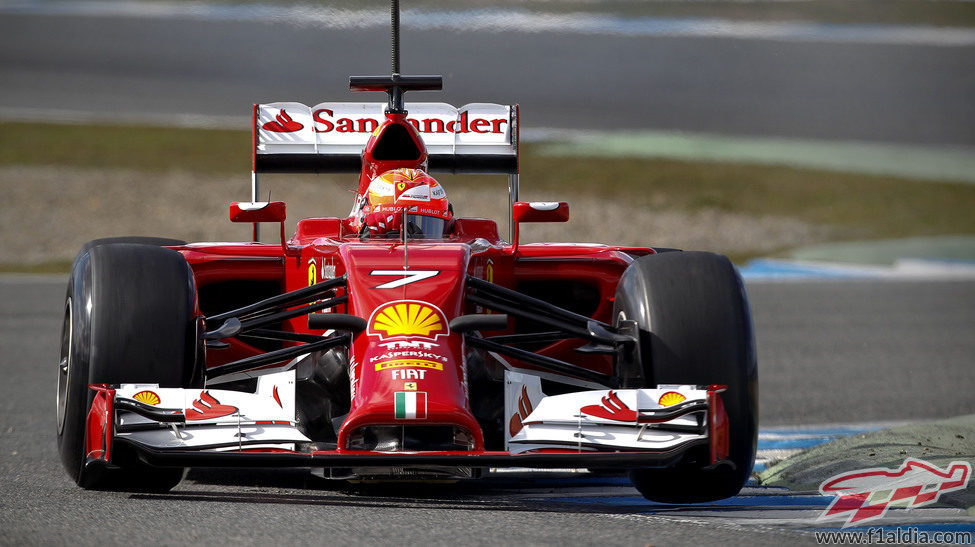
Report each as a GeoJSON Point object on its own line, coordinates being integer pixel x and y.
{"type": "Point", "coordinates": [406, 319]}
{"type": "Point", "coordinates": [671, 398]}
{"type": "Point", "coordinates": [147, 397]}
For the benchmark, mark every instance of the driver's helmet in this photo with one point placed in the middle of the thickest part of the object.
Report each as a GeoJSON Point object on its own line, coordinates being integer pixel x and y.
{"type": "Point", "coordinates": [411, 190]}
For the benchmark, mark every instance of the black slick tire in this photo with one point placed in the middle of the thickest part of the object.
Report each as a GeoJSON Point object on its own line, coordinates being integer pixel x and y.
{"type": "Point", "coordinates": [695, 328]}
{"type": "Point", "coordinates": [129, 317]}
{"type": "Point", "coordinates": [141, 240]}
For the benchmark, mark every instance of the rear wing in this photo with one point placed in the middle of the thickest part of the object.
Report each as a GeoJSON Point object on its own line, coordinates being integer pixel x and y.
{"type": "Point", "coordinates": [330, 137]}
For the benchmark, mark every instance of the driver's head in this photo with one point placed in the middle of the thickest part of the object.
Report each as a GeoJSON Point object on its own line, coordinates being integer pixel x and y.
{"type": "Point", "coordinates": [410, 190]}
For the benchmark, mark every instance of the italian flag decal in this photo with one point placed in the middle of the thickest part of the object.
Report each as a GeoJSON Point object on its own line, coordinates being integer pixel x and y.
{"type": "Point", "coordinates": [411, 405]}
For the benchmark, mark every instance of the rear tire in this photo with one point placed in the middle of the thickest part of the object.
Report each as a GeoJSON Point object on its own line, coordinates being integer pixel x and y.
{"type": "Point", "coordinates": [129, 317]}
{"type": "Point", "coordinates": [695, 329]}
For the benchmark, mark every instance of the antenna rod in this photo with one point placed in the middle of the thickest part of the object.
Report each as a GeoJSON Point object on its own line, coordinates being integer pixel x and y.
{"type": "Point", "coordinates": [394, 26]}
{"type": "Point", "coordinates": [396, 84]}
{"type": "Point", "coordinates": [406, 246]}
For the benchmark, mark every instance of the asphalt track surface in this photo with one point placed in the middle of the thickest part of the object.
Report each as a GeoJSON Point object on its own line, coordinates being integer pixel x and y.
{"type": "Point", "coordinates": [836, 352]}
{"type": "Point", "coordinates": [181, 70]}
{"type": "Point", "coordinates": [829, 352]}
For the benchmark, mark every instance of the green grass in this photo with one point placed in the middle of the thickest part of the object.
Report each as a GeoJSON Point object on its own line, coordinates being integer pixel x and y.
{"type": "Point", "coordinates": [861, 206]}
{"type": "Point", "coordinates": [127, 147]}
{"type": "Point", "coordinates": [852, 206]}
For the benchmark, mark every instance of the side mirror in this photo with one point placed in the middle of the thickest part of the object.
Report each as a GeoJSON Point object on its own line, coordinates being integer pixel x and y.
{"type": "Point", "coordinates": [258, 211]}
{"type": "Point", "coordinates": [540, 211]}
{"type": "Point", "coordinates": [537, 211]}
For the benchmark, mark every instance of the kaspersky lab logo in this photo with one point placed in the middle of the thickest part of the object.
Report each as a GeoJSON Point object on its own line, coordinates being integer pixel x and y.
{"type": "Point", "coordinates": [408, 318]}
{"type": "Point", "coordinates": [866, 494]}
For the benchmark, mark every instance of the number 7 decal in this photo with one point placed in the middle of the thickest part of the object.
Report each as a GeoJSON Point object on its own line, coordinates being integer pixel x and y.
{"type": "Point", "coordinates": [409, 276]}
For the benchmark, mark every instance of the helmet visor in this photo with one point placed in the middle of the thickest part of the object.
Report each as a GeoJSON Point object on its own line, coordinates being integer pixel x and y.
{"type": "Point", "coordinates": [424, 227]}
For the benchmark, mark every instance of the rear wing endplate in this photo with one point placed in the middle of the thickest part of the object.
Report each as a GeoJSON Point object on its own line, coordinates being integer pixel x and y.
{"type": "Point", "coordinates": [329, 137]}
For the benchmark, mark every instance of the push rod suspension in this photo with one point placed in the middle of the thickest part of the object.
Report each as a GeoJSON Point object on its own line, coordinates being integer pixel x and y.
{"type": "Point", "coordinates": [542, 361]}
{"type": "Point", "coordinates": [307, 294]}
{"type": "Point", "coordinates": [271, 357]}
{"type": "Point", "coordinates": [495, 294]}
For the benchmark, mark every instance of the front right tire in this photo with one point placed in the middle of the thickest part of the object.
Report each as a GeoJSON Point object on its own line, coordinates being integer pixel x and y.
{"type": "Point", "coordinates": [129, 317]}
{"type": "Point", "coordinates": [694, 328]}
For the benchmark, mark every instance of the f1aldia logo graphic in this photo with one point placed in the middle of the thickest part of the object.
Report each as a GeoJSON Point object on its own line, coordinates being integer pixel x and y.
{"type": "Point", "coordinates": [408, 318]}
{"type": "Point", "coordinates": [866, 494]}
{"type": "Point", "coordinates": [282, 123]}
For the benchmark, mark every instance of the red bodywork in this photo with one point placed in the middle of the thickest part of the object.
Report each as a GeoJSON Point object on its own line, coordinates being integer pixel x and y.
{"type": "Point", "coordinates": [407, 367]}
{"type": "Point", "coordinates": [429, 362]}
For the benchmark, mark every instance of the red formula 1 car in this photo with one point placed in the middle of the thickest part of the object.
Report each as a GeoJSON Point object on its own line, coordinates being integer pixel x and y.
{"type": "Point", "coordinates": [403, 342]}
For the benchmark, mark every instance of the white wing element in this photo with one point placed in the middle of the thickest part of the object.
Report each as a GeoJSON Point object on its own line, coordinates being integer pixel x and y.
{"type": "Point", "coordinates": [344, 128]}
{"type": "Point", "coordinates": [214, 418]}
{"type": "Point", "coordinates": [606, 420]}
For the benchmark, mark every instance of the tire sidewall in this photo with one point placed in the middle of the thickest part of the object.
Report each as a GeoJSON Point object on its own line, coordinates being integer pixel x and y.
{"type": "Point", "coordinates": [695, 328]}
{"type": "Point", "coordinates": [78, 398]}
{"type": "Point", "coordinates": [133, 317]}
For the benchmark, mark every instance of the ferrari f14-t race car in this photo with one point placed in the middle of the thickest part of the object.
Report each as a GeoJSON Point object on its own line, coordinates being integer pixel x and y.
{"type": "Point", "coordinates": [403, 342]}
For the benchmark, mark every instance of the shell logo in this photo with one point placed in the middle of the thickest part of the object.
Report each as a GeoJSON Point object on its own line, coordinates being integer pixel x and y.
{"type": "Point", "coordinates": [671, 398]}
{"type": "Point", "coordinates": [408, 318]}
{"type": "Point", "coordinates": [147, 397]}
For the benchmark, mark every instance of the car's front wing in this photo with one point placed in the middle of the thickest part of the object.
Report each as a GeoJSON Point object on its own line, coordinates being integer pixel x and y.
{"type": "Point", "coordinates": [171, 427]}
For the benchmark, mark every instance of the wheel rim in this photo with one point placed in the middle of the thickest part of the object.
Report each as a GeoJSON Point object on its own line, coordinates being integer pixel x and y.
{"type": "Point", "coordinates": [64, 365]}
